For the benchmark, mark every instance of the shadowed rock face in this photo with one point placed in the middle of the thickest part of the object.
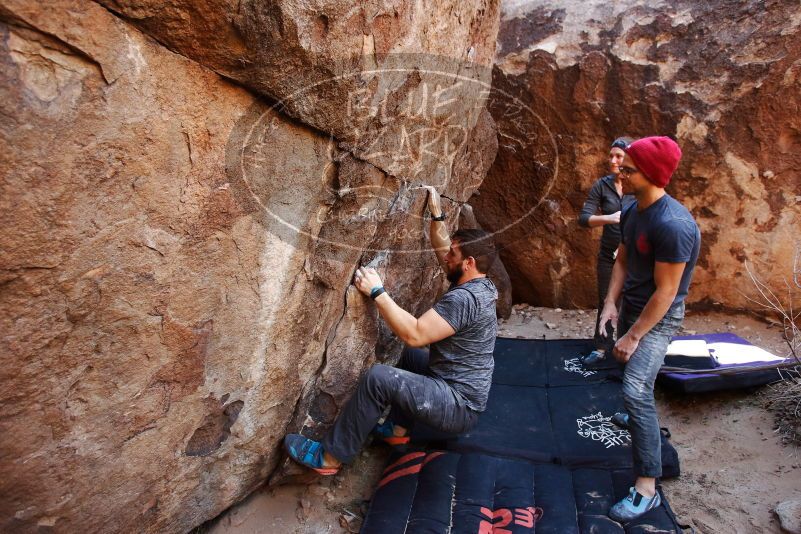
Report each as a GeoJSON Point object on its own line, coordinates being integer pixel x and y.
{"type": "Point", "coordinates": [177, 253]}
{"type": "Point", "coordinates": [721, 77]}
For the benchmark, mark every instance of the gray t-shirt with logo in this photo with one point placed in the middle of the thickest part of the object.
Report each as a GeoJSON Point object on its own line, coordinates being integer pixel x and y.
{"type": "Point", "coordinates": [464, 360]}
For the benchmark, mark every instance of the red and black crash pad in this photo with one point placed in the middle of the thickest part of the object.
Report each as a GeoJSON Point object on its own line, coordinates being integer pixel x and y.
{"type": "Point", "coordinates": [436, 492]}
{"type": "Point", "coordinates": [543, 457]}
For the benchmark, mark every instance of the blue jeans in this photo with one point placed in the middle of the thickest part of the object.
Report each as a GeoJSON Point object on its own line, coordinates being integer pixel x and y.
{"type": "Point", "coordinates": [638, 388]}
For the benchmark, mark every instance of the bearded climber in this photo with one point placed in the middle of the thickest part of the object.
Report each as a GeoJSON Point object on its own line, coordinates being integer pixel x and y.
{"type": "Point", "coordinates": [446, 386]}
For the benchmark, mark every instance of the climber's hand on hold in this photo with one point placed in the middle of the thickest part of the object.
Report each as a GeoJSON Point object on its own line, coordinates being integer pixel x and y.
{"type": "Point", "coordinates": [366, 279]}
{"type": "Point", "coordinates": [434, 205]}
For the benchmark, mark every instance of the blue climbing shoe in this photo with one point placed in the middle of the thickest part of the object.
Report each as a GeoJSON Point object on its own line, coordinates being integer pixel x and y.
{"type": "Point", "coordinates": [633, 506]}
{"type": "Point", "coordinates": [386, 433]}
{"type": "Point", "coordinates": [621, 419]}
{"type": "Point", "coordinates": [307, 452]}
{"type": "Point", "coordinates": [593, 358]}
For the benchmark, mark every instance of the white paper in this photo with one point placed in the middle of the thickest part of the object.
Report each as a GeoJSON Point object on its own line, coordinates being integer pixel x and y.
{"type": "Point", "coordinates": [688, 347]}
{"type": "Point", "coordinates": [731, 353]}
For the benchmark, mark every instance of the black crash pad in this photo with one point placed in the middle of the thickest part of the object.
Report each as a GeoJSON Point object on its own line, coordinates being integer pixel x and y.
{"type": "Point", "coordinates": [544, 454]}
{"type": "Point", "coordinates": [544, 407]}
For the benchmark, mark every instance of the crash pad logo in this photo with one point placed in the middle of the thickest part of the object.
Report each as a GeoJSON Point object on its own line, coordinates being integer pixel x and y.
{"type": "Point", "coordinates": [524, 518]}
{"type": "Point", "coordinates": [599, 428]}
{"type": "Point", "coordinates": [574, 366]}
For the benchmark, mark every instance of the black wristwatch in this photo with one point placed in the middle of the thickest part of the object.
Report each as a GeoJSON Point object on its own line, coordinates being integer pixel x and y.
{"type": "Point", "coordinates": [376, 291]}
{"type": "Point", "coordinates": [440, 218]}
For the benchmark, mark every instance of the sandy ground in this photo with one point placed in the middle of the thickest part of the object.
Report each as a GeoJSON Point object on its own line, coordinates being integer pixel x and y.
{"type": "Point", "coordinates": [735, 469]}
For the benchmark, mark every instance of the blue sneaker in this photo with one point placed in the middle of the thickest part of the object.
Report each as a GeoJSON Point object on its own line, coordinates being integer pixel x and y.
{"type": "Point", "coordinates": [307, 452]}
{"type": "Point", "coordinates": [633, 506]}
{"type": "Point", "coordinates": [386, 432]}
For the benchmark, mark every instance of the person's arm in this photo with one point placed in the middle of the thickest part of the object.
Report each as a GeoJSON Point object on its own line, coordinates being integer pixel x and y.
{"type": "Point", "coordinates": [587, 216]}
{"type": "Point", "coordinates": [603, 220]}
{"type": "Point", "coordinates": [438, 231]}
{"type": "Point", "coordinates": [415, 332]}
{"type": "Point", "coordinates": [667, 277]}
{"type": "Point", "coordinates": [610, 311]}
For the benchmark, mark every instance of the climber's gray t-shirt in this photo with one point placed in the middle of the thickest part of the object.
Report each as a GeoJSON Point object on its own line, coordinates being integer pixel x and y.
{"type": "Point", "coordinates": [464, 360]}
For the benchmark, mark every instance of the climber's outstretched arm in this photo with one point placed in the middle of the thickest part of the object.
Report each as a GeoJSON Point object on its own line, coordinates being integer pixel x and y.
{"type": "Point", "coordinates": [440, 240]}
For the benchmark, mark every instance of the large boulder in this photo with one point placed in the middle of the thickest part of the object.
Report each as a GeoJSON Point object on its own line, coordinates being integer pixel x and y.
{"type": "Point", "coordinates": [723, 78]}
{"type": "Point", "coordinates": [369, 74]}
{"type": "Point", "coordinates": [176, 264]}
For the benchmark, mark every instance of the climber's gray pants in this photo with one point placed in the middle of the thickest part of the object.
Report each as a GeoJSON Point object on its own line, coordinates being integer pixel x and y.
{"type": "Point", "coordinates": [412, 393]}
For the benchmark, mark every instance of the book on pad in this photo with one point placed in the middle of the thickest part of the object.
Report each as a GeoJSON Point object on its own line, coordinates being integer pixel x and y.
{"type": "Point", "coordinates": [737, 354]}
{"type": "Point", "coordinates": [696, 348]}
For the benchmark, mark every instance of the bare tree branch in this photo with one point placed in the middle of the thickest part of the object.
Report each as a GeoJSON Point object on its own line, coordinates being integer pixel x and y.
{"type": "Point", "coordinates": [786, 311]}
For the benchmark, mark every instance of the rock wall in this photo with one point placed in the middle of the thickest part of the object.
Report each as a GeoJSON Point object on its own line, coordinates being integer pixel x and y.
{"type": "Point", "coordinates": [316, 57]}
{"type": "Point", "coordinates": [722, 77]}
{"type": "Point", "coordinates": [177, 250]}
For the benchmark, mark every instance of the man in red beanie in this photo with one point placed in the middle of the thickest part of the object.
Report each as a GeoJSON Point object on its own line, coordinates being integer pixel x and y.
{"type": "Point", "coordinates": [659, 246]}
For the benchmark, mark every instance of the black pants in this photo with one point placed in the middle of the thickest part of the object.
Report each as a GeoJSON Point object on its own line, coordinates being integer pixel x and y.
{"type": "Point", "coordinates": [604, 273]}
{"type": "Point", "coordinates": [412, 393]}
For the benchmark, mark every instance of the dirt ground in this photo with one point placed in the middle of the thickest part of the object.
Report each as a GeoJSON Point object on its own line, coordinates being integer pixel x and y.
{"type": "Point", "coordinates": [735, 469]}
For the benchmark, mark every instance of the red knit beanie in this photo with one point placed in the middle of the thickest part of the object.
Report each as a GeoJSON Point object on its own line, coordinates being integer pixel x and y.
{"type": "Point", "coordinates": [657, 158]}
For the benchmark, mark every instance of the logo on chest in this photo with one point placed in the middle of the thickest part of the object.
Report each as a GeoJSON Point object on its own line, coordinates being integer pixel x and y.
{"type": "Point", "coordinates": [643, 246]}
